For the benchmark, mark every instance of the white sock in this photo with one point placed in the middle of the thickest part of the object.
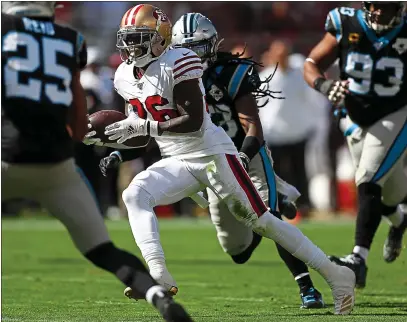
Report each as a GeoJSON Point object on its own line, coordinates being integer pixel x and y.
{"type": "Point", "coordinates": [286, 189]}
{"type": "Point", "coordinates": [144, 226]}
{"type": "Point", "coordinates": [396, 218]}
{"type": "Point", "coordinates": [361, 251]}
{"type": "Point", "coordinates": [295, 242]}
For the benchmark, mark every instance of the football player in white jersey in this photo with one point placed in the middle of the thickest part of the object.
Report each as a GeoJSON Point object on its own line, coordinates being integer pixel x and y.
{"type": "Point", "coordinates": [166, 100]}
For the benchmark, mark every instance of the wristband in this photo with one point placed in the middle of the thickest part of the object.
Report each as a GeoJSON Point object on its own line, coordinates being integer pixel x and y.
{"type": "Point", "coordinates": [152, 128]}
{"type": "Point", "coordinates": [318, 83]}
{"type": "Point", "coordinates": [118, 154]}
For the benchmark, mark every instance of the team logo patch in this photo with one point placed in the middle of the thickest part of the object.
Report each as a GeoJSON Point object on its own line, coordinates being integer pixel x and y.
{"type": "Point", "coordinates": [140, 85]}
{"type": "Point", "coordinates": [400, 45]}
{"type": "Point", "coordinates": [216, 93]}
{"type": "Point", "coordinates": [353, 37]}
{"type": "Point", "coordinates": [159, 15]}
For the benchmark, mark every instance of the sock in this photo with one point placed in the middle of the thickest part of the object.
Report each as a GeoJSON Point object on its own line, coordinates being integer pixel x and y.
{"type": "Point", "coordinates": [369, 215]}
{"type": "Point", "coordinates": [296, 266]}
{"type": "Point", "coordinates": [127, 267]}
{"type": "Point", "coordinates": [361, 251]}
{"type": "Point", "coordinates": [304, 282]}
{"type": "Point", "coordinates": [293, 240]}
{"type": "Point", "coordinates": [144, 225]}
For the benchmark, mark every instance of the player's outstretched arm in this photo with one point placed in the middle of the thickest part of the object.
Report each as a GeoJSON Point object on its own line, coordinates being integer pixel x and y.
{"type": "Point", "coordinates": [190, 103]}
{"type": "Point", "coordinates": [248, 113]}
{"type": "Point", "coordinates": [78, 120]}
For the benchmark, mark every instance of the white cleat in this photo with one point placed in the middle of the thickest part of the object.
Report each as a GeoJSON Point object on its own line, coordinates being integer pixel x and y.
{"type": "Point", "coordinates": [128, 292]}
{"type": "Point", "coordinates": [163, 278]}
{"type": "Point", "coordinates": [343, 290]}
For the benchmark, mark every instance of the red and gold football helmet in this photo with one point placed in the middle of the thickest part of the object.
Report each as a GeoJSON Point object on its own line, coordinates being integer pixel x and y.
{"type": "Point", "coordinates": [144, 34]}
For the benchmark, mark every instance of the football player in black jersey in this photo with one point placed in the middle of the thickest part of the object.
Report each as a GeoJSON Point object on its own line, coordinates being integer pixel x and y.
{"type": "Point", "coordinates": [43, 111]}
{"type": "Point", "coordinates": [371, 45]}
{"type": "Point", "coordinates": [231, 85]}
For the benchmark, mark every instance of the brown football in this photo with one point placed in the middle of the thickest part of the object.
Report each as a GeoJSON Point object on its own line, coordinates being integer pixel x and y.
{"type": "Point", "coordinates": [101, 119]}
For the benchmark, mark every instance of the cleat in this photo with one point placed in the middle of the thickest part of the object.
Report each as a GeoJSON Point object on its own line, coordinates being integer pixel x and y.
{"type": "Point", "coordinates": [312, 299]}
{"type": "Point", "coordinates": [343, 290]}
{"type": "Point", "coordinates": [356, 264]}
{"type": "Point", "coordinates": [128, 292]}
{"type": "Point", "coordinates": [171, 311]}
{"type": "Point", "coordinates": [394, 242]}
{"type": "Point", "coordinates": [289, 210]}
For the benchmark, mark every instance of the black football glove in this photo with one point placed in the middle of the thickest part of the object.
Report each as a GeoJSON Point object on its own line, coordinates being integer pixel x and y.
{"type": "Point", "coordinates": [335, 91]}
{"type": "Point", "coordinates": [245, 160]}
{"type": "Point", "coordinates": [110, 162]}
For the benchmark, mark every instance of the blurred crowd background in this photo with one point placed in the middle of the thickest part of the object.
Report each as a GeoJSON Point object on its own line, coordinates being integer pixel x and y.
{"type": "Point", "coordinates": [307, 147]}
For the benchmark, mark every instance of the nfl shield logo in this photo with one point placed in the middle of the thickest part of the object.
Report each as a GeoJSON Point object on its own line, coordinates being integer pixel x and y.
{"type": "Point", "coordinates": [400, 45]}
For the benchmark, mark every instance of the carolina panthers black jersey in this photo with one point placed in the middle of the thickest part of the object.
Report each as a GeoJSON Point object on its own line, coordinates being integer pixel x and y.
{"type": "Point", "coordinates": [38, 61]}
{"type": "Point", "coordinates": [375, 65]}
{"type": "Point", "coordinates": [225, 81]}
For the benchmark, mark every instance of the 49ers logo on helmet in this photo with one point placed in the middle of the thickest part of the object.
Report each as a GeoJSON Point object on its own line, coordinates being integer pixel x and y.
{"type": "Point", "coordinates": [159, 15]}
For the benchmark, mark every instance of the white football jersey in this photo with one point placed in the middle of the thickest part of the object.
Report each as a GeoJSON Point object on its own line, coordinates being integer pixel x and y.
{"type": "Point", "coordinates": [151, 97]}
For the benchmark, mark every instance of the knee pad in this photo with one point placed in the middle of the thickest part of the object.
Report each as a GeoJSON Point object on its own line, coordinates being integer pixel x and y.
{"type": "Point", "coordinates": [134, 194]}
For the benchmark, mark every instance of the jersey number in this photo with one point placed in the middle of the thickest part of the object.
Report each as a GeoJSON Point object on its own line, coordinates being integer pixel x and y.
{"type": "Point", "coordinates": [360, 67]}
{"type": "Point", "coordinates": [153, 105]}
{"type": "Point", "coordinates": [32, 88]}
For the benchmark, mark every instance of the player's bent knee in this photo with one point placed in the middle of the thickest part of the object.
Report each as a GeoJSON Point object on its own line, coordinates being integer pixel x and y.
{"type": "Point", "coordinates": [136, 195]}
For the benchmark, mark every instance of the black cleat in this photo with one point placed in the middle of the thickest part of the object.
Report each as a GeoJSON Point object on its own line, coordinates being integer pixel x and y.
{"type": "Point", "coordinates": [394, 242]}
{"type": "Point", "coordinates": [171, 311]}
{"type": "Point", "coordinates": [312, 299]}
{"type": "Point", "coordinates": [356, 264]}
{"type": "Point", "coordinates": [289, 210]}
{"type": "Point", "coordinates": [244, 256]}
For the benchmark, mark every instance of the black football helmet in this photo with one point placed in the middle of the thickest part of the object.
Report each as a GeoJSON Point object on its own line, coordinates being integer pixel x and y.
{"type": "Point", "coordinates": [384, 15]}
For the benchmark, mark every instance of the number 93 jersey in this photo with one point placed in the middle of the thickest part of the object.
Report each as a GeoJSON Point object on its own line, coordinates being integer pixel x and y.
{"type": "Point", "coordinates": [39, 60]}
{"type": "Point", "coordinates": [375, 65]}
{"type": "Point", "coordinates": [150, 95]}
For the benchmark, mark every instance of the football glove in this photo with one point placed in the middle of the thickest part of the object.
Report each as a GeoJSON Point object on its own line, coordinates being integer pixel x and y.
{"type": "Point", "coordinates": [90, 139]}
{"type": "Point", "coordinates": [110, 162]}
{"type": "Point", "coordinates": [335, 91]}
{"type": "Point", "coordinates": [131, 127]}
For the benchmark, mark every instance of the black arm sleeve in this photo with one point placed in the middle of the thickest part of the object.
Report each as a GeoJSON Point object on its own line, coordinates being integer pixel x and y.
{"type": "Point", "coordinates": [81, 51]}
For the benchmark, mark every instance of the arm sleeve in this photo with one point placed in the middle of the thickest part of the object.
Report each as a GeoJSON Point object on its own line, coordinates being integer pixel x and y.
{"type": "Point", "coordinates": [187, 67]}
{"type": "Point", "coordinates": [81, 51]}
{"type": "Point", "coordinates": [333, 24]}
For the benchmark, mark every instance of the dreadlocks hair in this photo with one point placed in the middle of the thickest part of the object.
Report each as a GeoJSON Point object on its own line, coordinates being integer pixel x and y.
{"type": "Point", "coordinates": [262, 86]}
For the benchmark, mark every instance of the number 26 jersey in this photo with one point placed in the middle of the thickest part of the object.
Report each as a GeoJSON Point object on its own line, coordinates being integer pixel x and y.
{"type": "Point", "coordinates": [150, 95]}
{"type": "Point", "coordinates": [375, 65]}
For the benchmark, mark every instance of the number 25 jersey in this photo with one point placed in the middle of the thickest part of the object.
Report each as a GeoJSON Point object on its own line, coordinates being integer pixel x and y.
{"type": "Point", "coordinates": [374, 64]}
{"type": "Point", "coordinates": [150, 95]}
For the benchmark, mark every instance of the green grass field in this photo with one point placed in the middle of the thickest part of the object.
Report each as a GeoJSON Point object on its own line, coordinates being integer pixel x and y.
{"type": "Point", "coordinates": [45, 279]}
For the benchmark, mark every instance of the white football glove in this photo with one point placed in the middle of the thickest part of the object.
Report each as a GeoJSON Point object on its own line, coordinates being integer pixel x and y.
{"type": "Point", "coordinates": [89, 137]}
{"type": "Point", "coordinates": [129, 128]}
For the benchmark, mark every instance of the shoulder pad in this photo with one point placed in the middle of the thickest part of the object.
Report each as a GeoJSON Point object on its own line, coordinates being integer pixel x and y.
{"type": "Point", "coordinates": [184, 64]}
{"type": "Point", "coordinates": [81, 51]}
{"type": "Point", "coordinates": [335, 20]}
{"type": "Point", "coordinates": [123, 82]}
